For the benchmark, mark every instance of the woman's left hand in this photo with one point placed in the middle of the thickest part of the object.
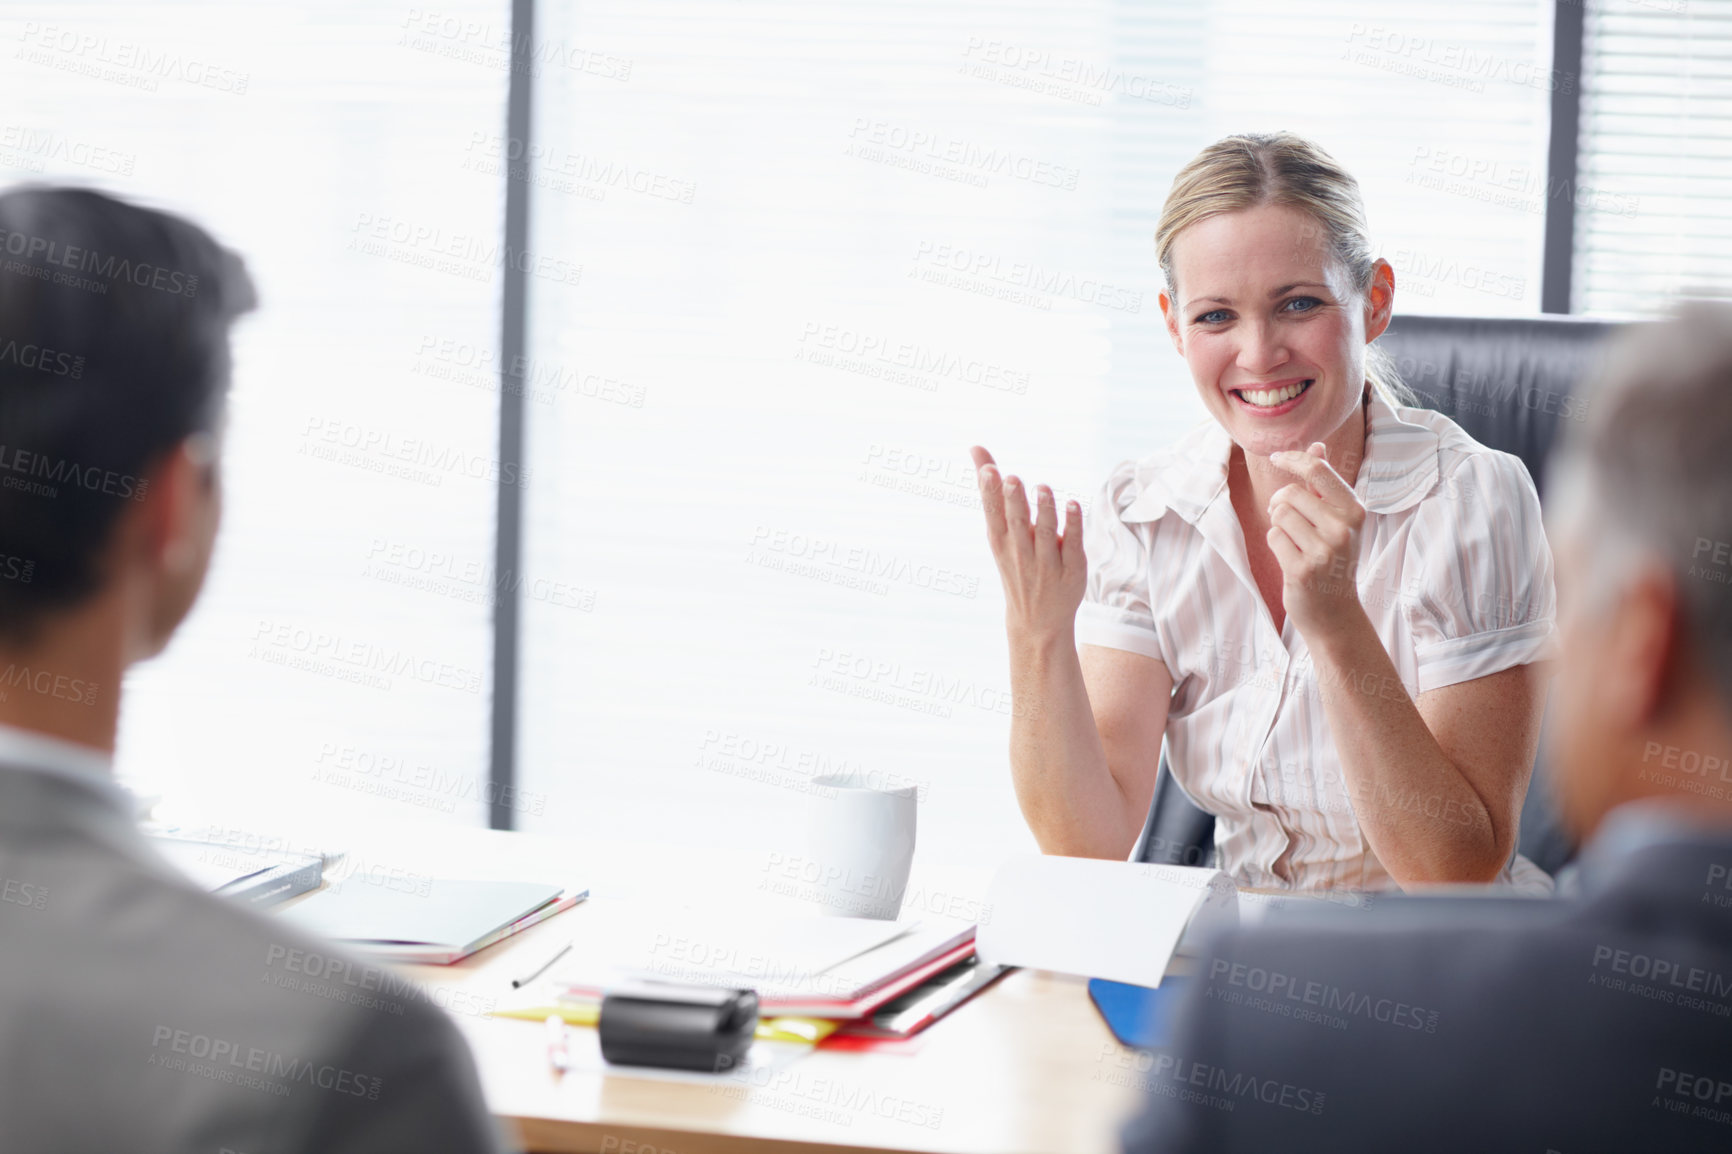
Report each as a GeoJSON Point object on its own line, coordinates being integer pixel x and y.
{"type": "Point", "coordinates": [1314, 531]}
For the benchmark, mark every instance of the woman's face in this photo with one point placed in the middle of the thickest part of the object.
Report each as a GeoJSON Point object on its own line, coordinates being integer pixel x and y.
{"type": "Point", "coordinates": [1273, 331]}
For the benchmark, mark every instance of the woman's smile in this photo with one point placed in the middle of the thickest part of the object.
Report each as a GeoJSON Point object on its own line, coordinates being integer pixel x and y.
{"type": "Point", "coordinates": [1273, 398]}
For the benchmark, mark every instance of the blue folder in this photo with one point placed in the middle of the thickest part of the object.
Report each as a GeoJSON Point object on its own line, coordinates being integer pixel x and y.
{"type": "Point", "coordinates": [1137, 1015]}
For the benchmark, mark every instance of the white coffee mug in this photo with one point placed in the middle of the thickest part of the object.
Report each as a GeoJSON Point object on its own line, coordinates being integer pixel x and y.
{"type": "Point", "coordinates": [860, 845]}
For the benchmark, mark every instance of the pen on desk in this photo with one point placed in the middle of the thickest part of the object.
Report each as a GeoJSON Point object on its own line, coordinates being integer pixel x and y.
{"type": "Point", "coordinates": [558, 1052]}
{"type": "Point", "coordinates": [519, 983]}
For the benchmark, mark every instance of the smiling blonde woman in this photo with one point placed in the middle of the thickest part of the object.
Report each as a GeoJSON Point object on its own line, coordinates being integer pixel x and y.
{"type": "Point", "coordinates": [1330, 606]}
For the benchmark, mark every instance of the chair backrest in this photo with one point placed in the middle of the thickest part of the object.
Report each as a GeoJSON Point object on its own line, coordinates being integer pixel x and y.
{"type": "Point", "coordinates": [1177, 831]}
{"type": "Point", "coordinates": [1510, 383]}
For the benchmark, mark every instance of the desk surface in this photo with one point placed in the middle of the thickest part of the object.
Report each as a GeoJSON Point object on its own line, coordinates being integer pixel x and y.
{"type": "Point", "coordinates": [1026, 1066]}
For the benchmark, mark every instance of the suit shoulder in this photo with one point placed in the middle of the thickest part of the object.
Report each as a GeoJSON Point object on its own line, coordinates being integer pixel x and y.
{"type": "Point", "coordinates": [1408, 935]}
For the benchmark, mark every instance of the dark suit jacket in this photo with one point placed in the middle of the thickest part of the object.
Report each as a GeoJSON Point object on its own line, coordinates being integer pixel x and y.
{"type": "Point", "coordinates": [1600, 1021]}
{"type": "Point", "coordinates": [139, 1013]}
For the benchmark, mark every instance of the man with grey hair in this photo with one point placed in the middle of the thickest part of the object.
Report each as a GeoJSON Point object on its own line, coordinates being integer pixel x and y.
{"type": "Point", "coordinates": [1600, 1020]}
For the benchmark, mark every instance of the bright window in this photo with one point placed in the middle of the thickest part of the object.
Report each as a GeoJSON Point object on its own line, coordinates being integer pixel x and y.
{"type": "Point", "coordinates": [826, 248]}
{"type": "Point", "coordinates": [339, 657]}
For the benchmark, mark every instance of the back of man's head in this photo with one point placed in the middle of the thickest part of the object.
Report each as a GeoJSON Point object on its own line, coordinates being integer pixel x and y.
{"type": "Point", "coordinates": [114, 327]}
{"type": "Point", "coordinates": [1641, 509]}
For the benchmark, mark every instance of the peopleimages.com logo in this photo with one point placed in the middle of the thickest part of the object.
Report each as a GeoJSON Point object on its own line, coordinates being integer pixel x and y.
{"type": "Point", "coordinates": [226, 1061]}
{"type": "Point", "coordinates": [88, 261]}
{"type": "Point", "coordinates": [42, 473]}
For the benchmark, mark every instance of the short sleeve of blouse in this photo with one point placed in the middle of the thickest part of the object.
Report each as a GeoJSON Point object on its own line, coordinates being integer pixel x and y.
{"type": "Point", "coordinates": [1479, 590]}
{"type": "Point", "coordinates": [1115, 610]}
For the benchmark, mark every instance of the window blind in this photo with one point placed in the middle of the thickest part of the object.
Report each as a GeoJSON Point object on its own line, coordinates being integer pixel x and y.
{"type": "Point", "coordinates": [1653, 218]}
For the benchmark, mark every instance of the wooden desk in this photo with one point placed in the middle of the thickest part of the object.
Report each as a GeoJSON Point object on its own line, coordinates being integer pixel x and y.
{"type": "Point", "coordinates": [1028, 1066]}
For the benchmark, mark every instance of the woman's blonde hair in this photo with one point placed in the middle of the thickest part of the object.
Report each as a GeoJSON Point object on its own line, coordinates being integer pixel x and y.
{"type": "Point", "coordinates": [1248, 169]}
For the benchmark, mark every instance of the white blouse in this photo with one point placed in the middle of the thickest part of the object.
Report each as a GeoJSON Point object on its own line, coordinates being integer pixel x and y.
{"type": "Point", "coordinates": [1454, 572]}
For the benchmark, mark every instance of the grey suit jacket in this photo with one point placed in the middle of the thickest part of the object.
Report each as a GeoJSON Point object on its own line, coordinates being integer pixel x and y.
{"type": "Point", "coordinates": [139, 1013]}
{"type": "Point", "coordinates": [1598, 1022]}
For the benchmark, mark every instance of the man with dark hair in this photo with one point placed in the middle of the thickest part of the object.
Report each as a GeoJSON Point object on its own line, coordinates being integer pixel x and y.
{"type": "Point", "coordinates": [1601, 1020]}
{"type": "Point", "coordinates": [137, 1012]}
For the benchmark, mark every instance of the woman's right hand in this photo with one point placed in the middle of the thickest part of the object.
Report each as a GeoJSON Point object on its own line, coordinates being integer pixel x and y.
{"type": "Point", "coordinates": [1044, 573]}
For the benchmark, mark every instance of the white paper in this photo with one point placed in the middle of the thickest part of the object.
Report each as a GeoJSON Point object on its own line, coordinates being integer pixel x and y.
{"type": "Point", "coordinates": [771, 954]}
{"type": "Point", "coordinates": [778, 956]}
{"type": "Point", "coordinates": [1099, 919]}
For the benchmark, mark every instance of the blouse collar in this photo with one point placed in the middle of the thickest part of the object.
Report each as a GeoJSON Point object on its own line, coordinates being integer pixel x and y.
{"type": "Point", "coordinates": [1399, 469]}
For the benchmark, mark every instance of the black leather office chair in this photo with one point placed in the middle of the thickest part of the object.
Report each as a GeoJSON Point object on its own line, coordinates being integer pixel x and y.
{"type": "Point", "coordinates": [1510, 384]}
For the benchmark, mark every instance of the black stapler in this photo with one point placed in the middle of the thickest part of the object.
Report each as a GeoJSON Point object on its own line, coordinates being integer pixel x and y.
{"type": "Point", "coordinates": [683, 1027]}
